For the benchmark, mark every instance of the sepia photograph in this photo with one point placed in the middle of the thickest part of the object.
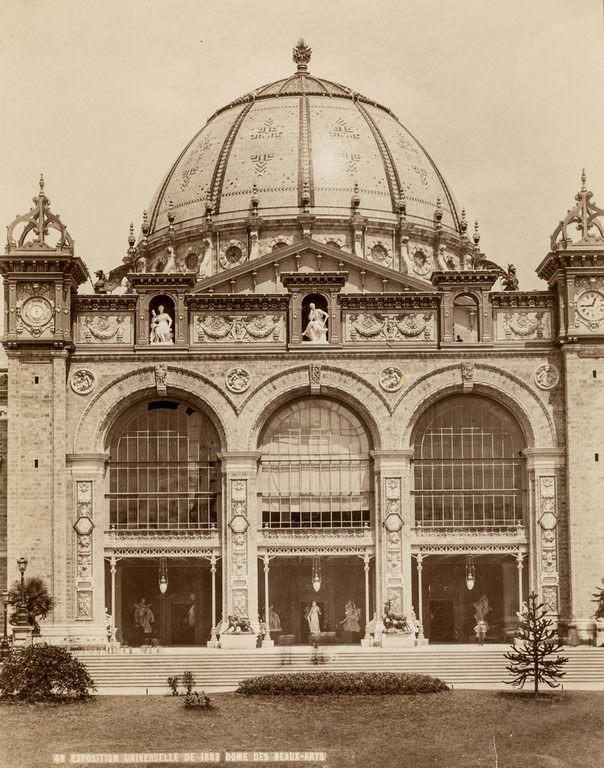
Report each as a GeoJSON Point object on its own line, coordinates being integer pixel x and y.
{"type": "Point", "coordinates": [302, 383]}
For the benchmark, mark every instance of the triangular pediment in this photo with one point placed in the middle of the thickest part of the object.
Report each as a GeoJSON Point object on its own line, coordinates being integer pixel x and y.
{"type": "Point", "coordinates": [310, 256]}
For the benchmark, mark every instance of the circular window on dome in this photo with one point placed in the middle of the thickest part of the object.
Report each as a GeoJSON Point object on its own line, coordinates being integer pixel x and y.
{"type": "Point", "coordinates": [233, 255]}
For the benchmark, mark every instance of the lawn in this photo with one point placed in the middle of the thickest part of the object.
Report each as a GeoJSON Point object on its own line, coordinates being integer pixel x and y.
{"type": "Point", "coordinates": [453, 729]}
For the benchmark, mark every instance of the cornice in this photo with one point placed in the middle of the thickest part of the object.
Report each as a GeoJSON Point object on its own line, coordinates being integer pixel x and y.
{"type": "Point", "coordinates": [104, 303]}
{"type": "Point", "coordinates": [237, 302]}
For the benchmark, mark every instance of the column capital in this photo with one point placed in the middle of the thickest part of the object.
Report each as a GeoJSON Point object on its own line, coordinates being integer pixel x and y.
{"type": "Point", "coordinates": [546, 458]}
{"type": "Point", "coordinates": [87, 463]}
{"type": "Point", "coordinates": [391, 460]}
{"type": "Point", "coordinates": [239, 461]}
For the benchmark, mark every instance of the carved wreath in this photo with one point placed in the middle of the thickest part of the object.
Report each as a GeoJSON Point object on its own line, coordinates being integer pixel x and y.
{"type": "Point", "coordinates": [408, 325]}
{"type": "Point", "coordinates": [102, 328]}
{"type": "Point", "coordinates": [216, 327]}
{"type": "Point", "coordinates": [523, 324]}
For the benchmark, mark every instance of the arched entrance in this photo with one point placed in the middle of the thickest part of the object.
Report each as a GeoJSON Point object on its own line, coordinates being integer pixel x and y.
{"type": "Point", "coordinates": [469, 497]}
{"type": "Point", "coordinates": [316, 484]}
{"type": "Point", "coordinates": [163, 497]}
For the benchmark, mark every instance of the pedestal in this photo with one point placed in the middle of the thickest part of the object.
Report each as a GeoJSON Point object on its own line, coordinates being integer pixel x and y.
{"type": "Point", "coordinates": [237, 641]}
{"type": "Point", "coordinates": [586, 630]}
{"type": "Point", "coordinates": [599, 632]}
{"type": "Point", "coordinates": [22, 635]}
{"type": "Point", "coordinates": [398, 640]}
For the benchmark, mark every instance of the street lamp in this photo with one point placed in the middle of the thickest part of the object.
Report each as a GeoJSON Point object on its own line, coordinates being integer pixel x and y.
{"type": "Point", "coordinates": [22, 616]}
{"type": "Point", "coordinates": [4, 643]}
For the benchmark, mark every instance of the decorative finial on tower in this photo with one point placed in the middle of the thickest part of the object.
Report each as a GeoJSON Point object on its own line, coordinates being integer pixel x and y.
{"type": "Point", "coordinates": [30, 229]}
{"type": "Point", "coordinates": [476, 235]}
{"type": "Point", "coordinates": [402, 204]}
{"type": "Point", "coordinates": [209, 208]}
{"type": "Point", "coordinates": [438, 214]}
{"type": "Point", "coordinates": [463, 224]}
{"type": "Point", "coordinates": [583, 181]}
{"type": "Point", "coordinates": [131, 237]}
{"type": "Point", "coordinates": [42, 183]}
{"type": "Point", "coordinates": [587, 217]}
{"type": "Point", "coordinates": [301, 55]}
{"type": "Point", "coordinates": [170, 213]}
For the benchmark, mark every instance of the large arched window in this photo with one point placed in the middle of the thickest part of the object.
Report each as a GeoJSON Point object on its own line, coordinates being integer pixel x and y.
{"type": "Point", "coordinates": [468, 467]}
{"type": "Point", "coordinates": [315, 467]}
{"type": "Point", "coordinates": [162, 469]}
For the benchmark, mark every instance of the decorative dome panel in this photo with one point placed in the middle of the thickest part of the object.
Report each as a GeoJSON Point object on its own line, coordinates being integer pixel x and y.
{"type": "Point", "coordinates": [302, 140]}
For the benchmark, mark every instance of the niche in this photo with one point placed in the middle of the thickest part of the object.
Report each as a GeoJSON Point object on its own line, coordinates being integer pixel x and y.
{"type": "Point", "coordinates": [161, 321]}
{"type": "Point", "coordinates": [465, 318]}
{"type": "Point", "coordinates": [315, 319]}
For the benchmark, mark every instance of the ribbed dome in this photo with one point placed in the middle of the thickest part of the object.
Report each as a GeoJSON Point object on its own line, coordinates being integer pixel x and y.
{"type": "Point", "coordinates": [302, 139]}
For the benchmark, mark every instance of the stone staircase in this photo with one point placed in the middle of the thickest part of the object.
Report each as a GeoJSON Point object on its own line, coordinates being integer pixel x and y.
{"type": "Point", "coordinates": [461, 666]}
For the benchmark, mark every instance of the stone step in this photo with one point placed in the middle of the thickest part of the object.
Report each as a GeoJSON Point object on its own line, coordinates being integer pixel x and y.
{"type": "Point", "coordinates": [469, 666]}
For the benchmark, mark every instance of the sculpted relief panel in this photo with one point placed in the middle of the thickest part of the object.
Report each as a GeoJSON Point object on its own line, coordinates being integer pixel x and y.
{"type": "Point", "coordinates": [395, 326]}
{"type": "Point", "coordinates": [522, 325]}
{"type": "Point", "coordinates": [237, 329]}
{"type": "Point", "coordinates": [104, 329]}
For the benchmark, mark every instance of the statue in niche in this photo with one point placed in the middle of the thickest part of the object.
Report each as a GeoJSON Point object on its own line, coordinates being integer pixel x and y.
{"type": "Point", "coordinates": [161, 327]}
{"type": "Point", "coordinates": [311, 614]}
{"type": "Point", "coordinates": [316, 330]}
{"type": "Point", "coordinates": [352, 615]}
{"type": "Point", "coordinates": [143, 616]}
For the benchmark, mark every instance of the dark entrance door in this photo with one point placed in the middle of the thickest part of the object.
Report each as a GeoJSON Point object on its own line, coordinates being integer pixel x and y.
{"type": "Point", "coordinates": [442, 621]}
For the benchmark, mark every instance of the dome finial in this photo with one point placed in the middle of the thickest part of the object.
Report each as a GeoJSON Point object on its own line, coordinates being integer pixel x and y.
{"type": "Point", "coordinates": [301, 55]}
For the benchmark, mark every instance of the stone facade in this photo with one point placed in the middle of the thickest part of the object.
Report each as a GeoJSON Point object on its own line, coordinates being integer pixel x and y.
{"type": "Point", "coordinates": [234, 343]}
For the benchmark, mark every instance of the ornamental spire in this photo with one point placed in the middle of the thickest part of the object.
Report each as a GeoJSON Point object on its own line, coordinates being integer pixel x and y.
{"type": "Point", "coordinates": [301, 55]}
{"type": "Point", "coordinates": [586, 217]}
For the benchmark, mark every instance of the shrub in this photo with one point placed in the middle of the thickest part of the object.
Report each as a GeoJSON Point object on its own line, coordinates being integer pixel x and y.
{"type": "Point", "coordinates": [337, 683]}
{"type": "Point", "coordinates": [188, 681]}
{"type": "Point", "coordinates": [173, 683]}
{"type": "Point", "coordinates": [42, 672]}
{"type": "Point", "coordinates": [196, 700]}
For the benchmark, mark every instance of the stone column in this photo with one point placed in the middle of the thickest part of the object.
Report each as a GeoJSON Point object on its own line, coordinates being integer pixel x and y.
{"type": "Point", "coordinates": [545, 471]}
{"type": "Point", "coordinates": [240, 521]}
{"type": "Point", "coordinates": [87, 580]}
{"type": "Point", "coordinates": [392, 522]}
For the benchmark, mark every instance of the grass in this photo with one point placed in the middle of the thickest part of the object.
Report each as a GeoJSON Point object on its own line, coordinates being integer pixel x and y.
{"type": "Point", "coordinates": [453, 729]}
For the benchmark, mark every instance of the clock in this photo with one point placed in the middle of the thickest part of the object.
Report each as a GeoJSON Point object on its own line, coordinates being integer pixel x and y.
{"type": "Point", "coordinates": [590, 306]}
{"type": "Point", "coordinates": [37, 312]}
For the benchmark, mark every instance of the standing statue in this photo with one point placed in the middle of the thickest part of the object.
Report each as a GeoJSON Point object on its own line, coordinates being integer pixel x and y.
{"type": "Point", "coordinates": [122, 288]}
{"type": "Point", "coordinates": [143, 616]}
{"type": "Point", "coordinates": [161, 327]}
{"type": "Point", "coordinates": [352, 614]}
{"type": "Point", "coordinates": [274, 620]}
{"type": "Point", "coordinates": [311, 614]}
{"type": "Point", "coordinates": [100, 285]}
{"type": "Point", "coordinates": [316, 330]}
{"type": "Point", "coordinates": [481, 610]}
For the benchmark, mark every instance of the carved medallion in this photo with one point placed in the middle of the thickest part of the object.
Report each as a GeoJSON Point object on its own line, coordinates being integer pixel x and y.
{"type": "Point", "coordinates": [82, 381]}
{"type": "Point", "coordinates": [237, 380]}
{"type": "Point", "coordinates": [547, 376]}
{"type": "Point", "coordinates": [391, 379]}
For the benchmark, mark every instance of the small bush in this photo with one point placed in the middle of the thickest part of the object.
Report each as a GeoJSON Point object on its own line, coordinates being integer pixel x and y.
{"type": "Point", "coordinates": [337, 683]}
{"type": "Point", "coordinates": [188, 681]}
{"type": "Point", "coordinates": [196, 700]}
{"type": "Point", "coordinates": [44, 672]}
{"type": "Point", "coordinates": [173, 683]}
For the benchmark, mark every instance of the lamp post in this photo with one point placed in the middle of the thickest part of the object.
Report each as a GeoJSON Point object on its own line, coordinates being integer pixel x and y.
{"type": "Point", "coordinates": [22, 616]}
{"type": "Point", "coordinates": [4, 643]}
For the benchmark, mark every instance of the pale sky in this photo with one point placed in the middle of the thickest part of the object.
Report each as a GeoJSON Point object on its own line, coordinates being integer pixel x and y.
{"type": "Point", "coordinates": [101, 95]}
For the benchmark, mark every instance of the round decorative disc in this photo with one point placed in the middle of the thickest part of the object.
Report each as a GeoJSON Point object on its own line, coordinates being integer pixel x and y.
{"type": "Point", "coordinates": [36, 311]}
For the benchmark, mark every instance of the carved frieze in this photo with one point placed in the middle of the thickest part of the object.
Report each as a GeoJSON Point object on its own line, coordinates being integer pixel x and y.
{"type": "Point", "coordinates": [104, 329]}
{"type": "Point", "coordinates": [523, 324]}
{"type": "Point", "coordinates": [83, 528]}
{"type": "Point", "coordinates": [393, 540]}
{"type": "Point", "coordinates": [548, 527]}
{"type": "Point", "coordinates": [238, 329]}
{"type": "Point", "coordinates": [238, 515]}
{"type": "Point", "coordinates": [390, 327]}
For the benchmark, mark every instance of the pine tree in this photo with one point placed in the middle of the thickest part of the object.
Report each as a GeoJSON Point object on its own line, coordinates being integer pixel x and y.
{"type": "Point", "coordinates": [531, 657]}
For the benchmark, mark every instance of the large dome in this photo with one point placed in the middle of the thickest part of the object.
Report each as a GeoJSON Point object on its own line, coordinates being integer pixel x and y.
{"type": "Point", "coordinates": [302, 142]}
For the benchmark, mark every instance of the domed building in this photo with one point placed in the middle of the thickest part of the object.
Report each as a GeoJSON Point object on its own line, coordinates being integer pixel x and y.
{"type": "Point", "coordinates": [304, 405]}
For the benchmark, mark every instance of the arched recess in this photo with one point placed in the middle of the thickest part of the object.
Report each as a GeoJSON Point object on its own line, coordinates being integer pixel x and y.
{"type": "Point", "coordinates": [510, 391]}
{"type": "Point", "coordinates": [315, 466]}
{"type": "Point", "coordinates": [337, 384]}
{"type": "Point", "coordinates": [140, 384]}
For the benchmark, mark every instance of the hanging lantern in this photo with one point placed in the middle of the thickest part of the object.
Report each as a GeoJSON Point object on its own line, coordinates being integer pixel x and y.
{"type": "Point", "coordinates": [163, 575]}
{"type": "Point", "coordinates": [470, 572]}
{"type": "Point", "coordinates": [316, 574]}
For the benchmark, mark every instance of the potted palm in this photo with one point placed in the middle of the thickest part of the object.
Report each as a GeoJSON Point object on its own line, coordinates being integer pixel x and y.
{"type": "Point", "coordinates": [36, 599]}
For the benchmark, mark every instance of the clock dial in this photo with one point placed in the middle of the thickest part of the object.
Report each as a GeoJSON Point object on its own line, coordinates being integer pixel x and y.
{"type": "Point", "coordinates": [590, 305]}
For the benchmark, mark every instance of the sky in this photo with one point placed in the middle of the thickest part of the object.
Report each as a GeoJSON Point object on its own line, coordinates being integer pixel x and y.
{"type": "Point", "coordinates": [102, 95]}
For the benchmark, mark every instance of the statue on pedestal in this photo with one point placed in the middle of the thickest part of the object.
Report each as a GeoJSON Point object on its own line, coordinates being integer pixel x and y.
{"type": "Point", "coordinates": [161, 327]}
{"type": "Point", "coordinates": [316, 330]}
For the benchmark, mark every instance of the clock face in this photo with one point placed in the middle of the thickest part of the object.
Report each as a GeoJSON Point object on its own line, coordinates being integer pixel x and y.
{"type": "Point", "coordinates": [36, 311]}
{"type": "Point", "coordinates": [590, 305]}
